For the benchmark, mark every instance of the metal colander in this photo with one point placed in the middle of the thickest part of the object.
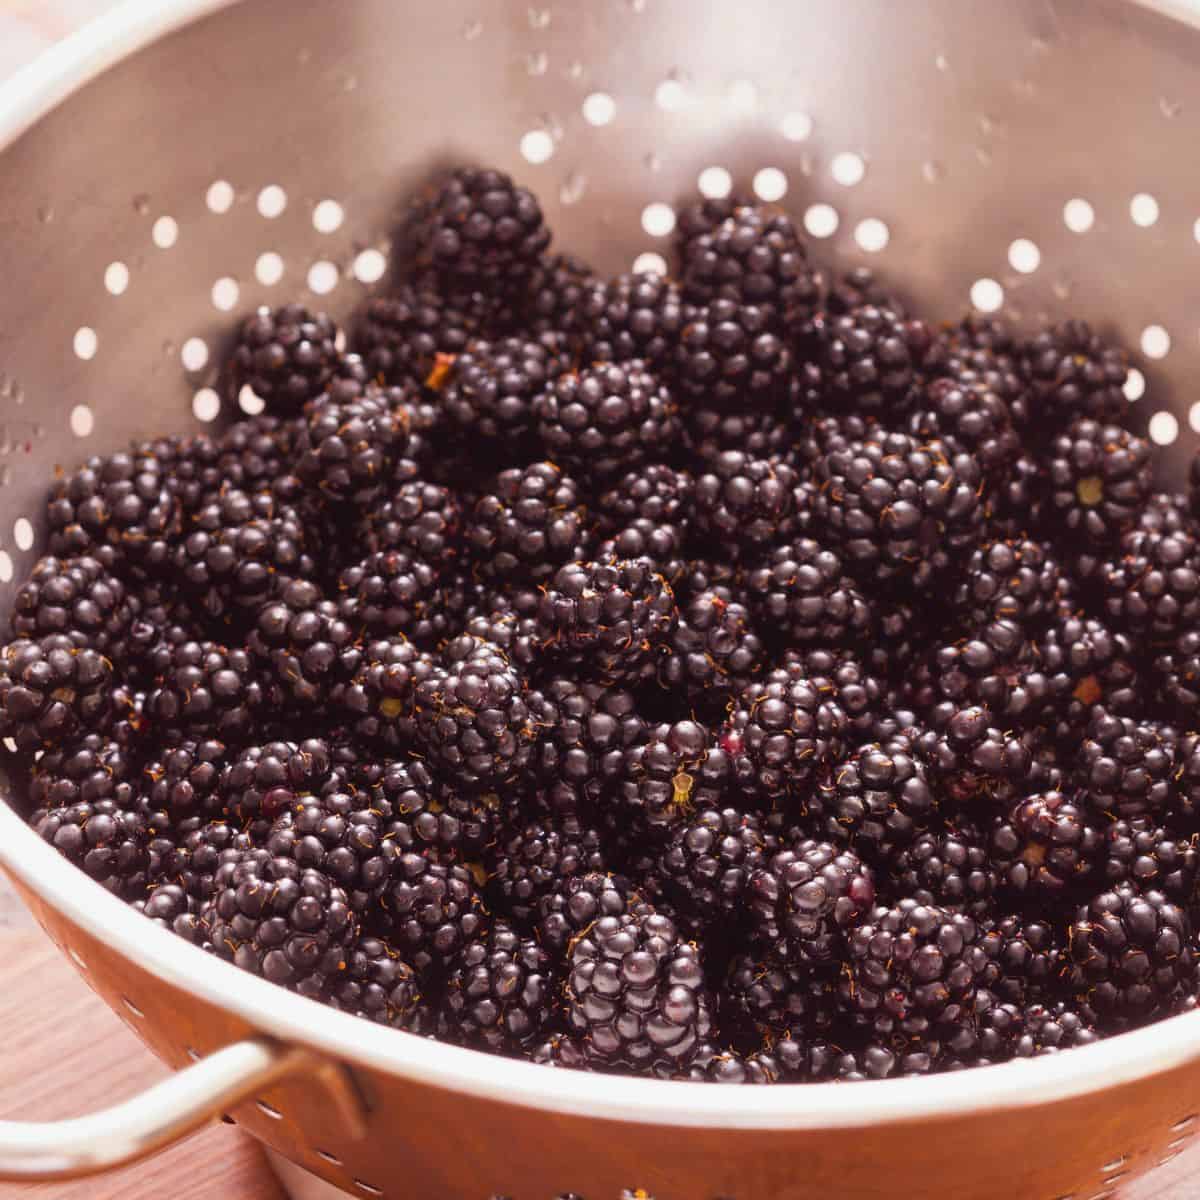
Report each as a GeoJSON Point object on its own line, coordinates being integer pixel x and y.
{"type": "Point", "coordinates": [178, 163]}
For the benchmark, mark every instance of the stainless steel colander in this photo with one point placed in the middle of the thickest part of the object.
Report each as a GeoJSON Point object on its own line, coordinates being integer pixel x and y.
{"type": "Point", "coordinates": [178, 162]}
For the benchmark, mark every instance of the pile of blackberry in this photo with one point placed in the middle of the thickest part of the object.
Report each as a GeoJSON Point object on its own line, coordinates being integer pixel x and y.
{"type": "Point", "coordinates": [728, 676]}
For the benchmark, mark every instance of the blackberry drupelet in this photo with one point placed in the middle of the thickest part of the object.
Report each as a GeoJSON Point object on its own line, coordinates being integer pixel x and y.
{"type": "Point", "coordinates": [377, 984]}
{"type": "Point", "coordinates": [1152, 586]}
{"type": "Point", "coordinates": [1126, 766]}
{"type": "Point", "coordinates": [419, 518]}
{"type": "Point", "coordinates": [731, 353]}
{"type": "Point", "coordinates": [412, 335]}
{"type": "Point", "coordinates": [78, 597]}
{"type": "Point", "coordinates": [1046, 844]}
{"type": "Point", "coordinates": [713, 652]}
{"type": "Point", "coordinates": [949, 867]}
{"type": "Point", "coordinates": [632, 317]}
{"type": "Point", "coordinates": [105, 838]}
{"type": "Point", "coordinates": [745, 504]}
{"type": "Point", "coordinates": [1100, 476]}
{"type": "Point", "coordinates": [604, 419]}
{"type": "Point", "coordinates": [286, 356]}
{"type": "Point", "coordinates": [1074, 373]}
{"type": "Point", "coordinates": [1148, 857]}
{"type": "Point", "coordinates": [857, 287]}
{"type": "Point", "coordinates": [1010, 579]}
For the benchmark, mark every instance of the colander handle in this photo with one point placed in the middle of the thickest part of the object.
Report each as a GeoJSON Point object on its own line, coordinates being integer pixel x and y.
{"type": "Point", "coordinates": [37, 1152]}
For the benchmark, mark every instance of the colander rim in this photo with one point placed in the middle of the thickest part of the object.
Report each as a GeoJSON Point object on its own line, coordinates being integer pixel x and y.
{"type": "Point", "coordinates": [27, 97]}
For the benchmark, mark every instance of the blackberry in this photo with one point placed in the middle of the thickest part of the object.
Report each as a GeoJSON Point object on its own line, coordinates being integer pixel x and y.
{"type": "Point", "coordinates": [632, 317]}
{"type": "Point", "coordinates": [1051, 1028]}
{"type": "Point", "coordinates": [266, 780]}
{"type": "Point", "coordinates": [1148, 857]}
{"type": "Point", "coordinates": [1011, 579]}
{"type": "Point", "coordinates": [710, 430]}
{"type": "Point", "coordinates": [1085, 664]}
{"type": "Point", "coordinates": [197, 855]}
{"type": "Point", "coordinates": [1047, 843]}
{"type": "Point", "coordinates": [388, 594]}
{"type": "Point", "coordinates": [771, 996]}
{"type": "Point", "coordinates": [713, 652]}
{"type": "Point", "coordinates": [1126, 766]}
{"type": "Point", "coordinates": [605, 419]}
{"type": "Point", "coordinates": [859, 694]}
{"type": "Point", "coordinates": [286, 356]}
{"type": "Point", "coordinates": [492, 387]}
{"type": "Point", "coordinates": [413, 335]}
{"type": "Point", "coordinates": [529, 525]}
{"type": "Point", "coordinates": [635, 992]}
{"type": "Point", "coordinates": [168, 905]}
{"type": "Point", "coordinates": [1019, 501]}
{"type": "Point", "coordinates": [576, 904]}
{"type": "Point", "coordinates": [51, 689]}
{"type": "Point", "coordinates": [431, 910]}
{"type": "Point", "coordinates": [419, 518]}
{"type": "Point", "coordinates": [377, 984]}
{"type": "Point", "coordinates": [868, 359]}
{"type": "Point", "coordinates": [968, 757]}
{"type": "Point", "coordinates": [607, 619]}
{"type": "Point", "coordinates": [1074, 373]}
{"type": "Point", "coordinates": [1133, 954]}
{"type": "Point", "coordinates": [657, 493]}
{"type": "Point", "coordinates": [730, 353]}
{"type": "Point", "coordinates": [105, 838]}
{"type": "Point", "coordinates": [555, 295]}
{"type": "Point", "coordinates": [473, 716]}
{"type": "Point", "coordinates": [702, 574]}
{"type": "Point", "coordinates": [302, 639]}
{"type": "Point", "coordinates": [949, 867]}
{"type": "Point", "coordinates": [704, 214]}
{"type": "Point", "coordinates": [512, 633]}
{"type": "Point", "coordinates": [251, 455]}
{"type": "Point", "coordinates": [1176, 673]}
{"type": "Point", "coordinates": [1153, 587]}
{"type": "Point", "coordinates": [878, 799]}
{"type": "Point", "coordinates": [291, 926]}
{"type": "Point", "coordinates": [182, 778]}
{"type": "Point", "coordinates": [663, 545]}
{"type": "Point", "coordinates": [78, 597]}
{"type": "Point", "coordinates": [746, 504]}
{"type": "Point", "coordinates": [1028, 958]}
{"type": "Point", "coordinates": [911, 967]}
{"type": "Point", "coordinates": [379, 699]}
{"type": "Point", "coordinates": [857, 287]}
{"type": "Point", "coordinates": [803, 597]}
{"type": "Point", "coordinates": [1100, 476]}
{"type": "Point", "coordinates": [500, 993]}
{"type": "Point", "coordinates": [424, 815]}
{"type": "Point", "coordinates": [900, 510]}
{"type": "Point", "coordinates": [479, 230]}
{"type": "Point", "coordinates": [807, 898]}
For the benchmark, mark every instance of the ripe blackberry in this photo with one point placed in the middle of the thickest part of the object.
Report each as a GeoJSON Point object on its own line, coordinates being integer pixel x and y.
{"type": "Point", "coordinates": [291, 926]}
{"type": "Point", "coordinates": [704, 574]}
{"type": "Point", "coordinates": [746, 504]}
{"type": "Point", "coordinates": [632, 317]}
{"type": "Point", "coordinates": [1085, 664]}
{"type": "Point", "coordinates": [713, 652]}
{"type": "Point", "coordinates": [781, 731]}
{"type": "Point", "coordinates": [432, 911]}
{"type": "Point", "coordinates": [802, 596]}
{"type": "Point", "coordinates": [859, 694]}
{"type": "Point", "coordinates": [1100, 476]}
{"type": "Point", "coordinates": [412, 334]}
{"type": "Point", "coordinates": [529, 525]}
{"type": "Point", "coordinates": [302, 639]}
{"type": "Point", "coordinates": [86, 770]}
{"type": "Point", "coordinates": [251, 455]}
{"type": "Point", "coordinates": [1176, 673]}
{"type": "Point", "coordinates": [168, 905]}
{"type": "Point", "coordinates": [473, 716]}
{"type": "Point", "coordinates": [1133, 954]}
{"type": "Point", "coordinates": [1018, 502]}
{"type": "Point", "coordinates": [657, 493]}
{"type": "Point", "coordinates": [182, 778]}
{"type": "Point", "coordinates": [565, 913]}
{"type": "Point", "coordinates": [1146, 856]}
{"type": "Point", "coordinates": [878, 799]}
{"type": "Point", "coordinates": [607, 619]}
{"type": "Point", "coordinates": [379, 700]}
{"type": "Point", "coordinates": [377, 984]}
{"type": "Point", "coordinates": [635, 992]}
{"type": "Point", "coordinates": [955, 344]}
{"type": "Point", "coordinates": [1074, 373]}
{"type": "Point", "coordinates": [480, 230]}
{"type": "Point", "coordinates": [1027, 957]}
{"type": "Point", "coordinates": [493, 620]}
{"type": "Point", "coordinates": [710, 431]}
{"type": "Point", "coordinates": [663, 545]}
{"type": "Point", "coordinates": [704, 214]}
{"type": "Point", "coordinates": [492, 387]}
{"type": "Point", "coordinates": [1047, 843]}
{"type": "Point", "coordinates": [857, 287]}
{"type": "Point", "coordinates": [388, 594]}
{"type": "Point", "coordinates": [1010, 579]}
{"type": "Point", "coordinates": [731, 353]}
{"type": "Point", "coordinates": [1153, 586]}
{"type": "Point", "coordinates": [868, 359]}
{"type": "Point", "coordinates": [266, 780]}
{"type": "Point", "coordinates": [420, 518]}
{"type": "Point", "coordinates": [104, 838]}
{"type": "Point", "coordinates": [949, 867]}
{"type": "Point", "coordinates": [555, 295]}
{"type": "Point", "coordinates": [605, 419]}
{"type": "Point", "coordinates": [500, 993]}
{"type": "Point", "coordinates": [771, 997]}
{"type": "Point", "coordinates": [286, 356]}
{"type": "Point", "coordinates": [968, 757]}
{"type": "Point", "coordinates": [51, 689]}
{"type": "Point", "coordinates": [1054, 1027]}
{"type": "Point", "coordinates": [1126, 766]}
{"type": "Point", "coordinates": [199, 851]}
{"type": "Point", "coordinates": [900, 510]}
{"type": "Point", "coordinates": [78, 597]}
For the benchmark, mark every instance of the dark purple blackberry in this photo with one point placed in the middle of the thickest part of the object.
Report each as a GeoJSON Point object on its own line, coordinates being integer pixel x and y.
{"type": "Point", "coordinates": [808, 898]}
{"type": "Point", "coordinates": [182, 778]}
{"type": "Point", "coordinates": [607, 619]}
{"type": "Point", "coordinates": [704, 214]}
{"type": "Point", "coordinates": [266, 780]}
{"type": "Point", "coordinates": [1074, 373]}
{"type": "Point", "coordinates": [286, 356]}
{"type": "Point", "coordinates": [388, 594]}
{"type": "Point", "coordinates": [252, 454]}
{"type": "Point", "coordinates": [207, 688]}
{"type": "Point", "coordinates": [379, 700]}
{"type": "Point", "coordinates": [1126, 766]}
{"type": "Point", "coordinates": [656, 493]}
{"type": "Point", "coordinates": [710, 430]}
{"type": "Point", "coordinates": [745, 504]}
{"type": "Point", "coordinates": [493, 620]}
{"type": "Point", "coordinates": [432, 910]}
{"type": "Point", "coordinates": [859, 694]}
{"type": "Point", "coordinates": [781, 731]}
{"type": "Point", "coordinates": [529, 525]}
{"type": "Point", "coordinates": [949, 867]}
{"type": "Point", "coordinates": [1100, 476]}
{"type": "Point", "coordinates": [1153, 586]}
{"type": "Point", "coordinates": [703, 574]}
{"type": "Point", "coordinates": [635, 992]}
{"type": "Point", "coordinates": [420, 518]}
{"type": "Point", "coordinates": [105, 839]}
{"type": "Point", "coordinates": [713, 652]}
{"type": "Point", "coordinates": [377, 984]}
{"type": "Point", "coordinates": [663, 545]}
{"type": "Point", "coordinates": [480, 230]}
{"type": "Point", "coordinates": [1176, 674]}
{"type": "Point", "coordinates": [857, 287]}
{"type": "Point", "coordinates": [500, 993]}
{"type": "Point", "coordinates": [1016, 580]}
{"type": "Point", "coordinates": [168, 905]}
{"type": "Point", "coordinates": [732, 353]}
{"type": "Point", "coordinates": [87, 770]}
{"type": "Point", "coordinates": [1085, 664]}
{"type": "Point", "coordinates": [900, 510]}
{"type": "Point", "coordinates": [302, 639]}
{"type": "Point", "coordinates": [868, 359]}
{"type": "Point", "coordinates": [51, 689]}
{"type": "Point", "coordinates": [802, 597]}
{"type": "Point", "coordinates": [78, 597]}
{"type": "Point", "coordinates": [1018, 502]}
{"type": "Point", "coordinates": [555, 295]}
{"type": "Point", "coordinates": [632, 317]}
{"type": "Point", "coordinates": [194, 466]}
{"type": "Point", "coordinates": [1146, 856]}
{"type": "Point", "coordinates": [772, 996]}
{"type": "Point", "coordinates": [1027, 958]}
{"type": "Point", "coordinates": [412, 335]}
{"type": "Point", "coordinates": [968, 757]}
{"type": "Point", "coordinates": [605, 419]}
{"type": "Point", "coordinates": [754, 256]}
{"type": "Point", "coordinates": [1133, 954]}
{"type": "Point", "coordinates": [473, 715]}
{"type": "Point", "coordinates": [878, 799]}
{"type": "Point", "coordinates": [575, 905]}
{"type": "Point", "coordinates": [491, 390]}
{"type": "Point", "coordinates": [195, 859]}
{"type": "Point", "coordinates": [1047, 843]}
{"type": "Point", "coordinates": [291, 926]}
{"type": "Point", "coordinates": [955, 344]}
{"type": "Point", "coordinates": [1054, 1027]}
